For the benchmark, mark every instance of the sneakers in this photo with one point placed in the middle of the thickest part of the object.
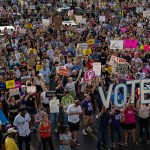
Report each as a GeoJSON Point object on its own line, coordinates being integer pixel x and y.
{"type": "Point", "coordinates": [113, 146]}
{"type": "Point", "coordinates": [140, 140]}
{"type": "Point", "coordinates": [104, 147]}
{"type": "Point", "coordinates": [56, 130]}
{"type": "Point", "coordinates": [77, 143]}
{"type": "Point", "coordinates": [89, 129]}
{"type": "Point", "coordinates": [97, 116]}
{"type": "Point", "coordinates": [84, 132]}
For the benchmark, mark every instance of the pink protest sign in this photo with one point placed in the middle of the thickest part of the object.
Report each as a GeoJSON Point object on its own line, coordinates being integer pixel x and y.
{"type": "Point", "coordinates": [17, 84]}
{"type": "Point", "coordinates": [130, 43]}
{"type": "Point", "coordinates": [146, 48]}
{"type": "Point", "coordinates": [89, 75]}
{"type": "Point", "coordinates": [123, 29]}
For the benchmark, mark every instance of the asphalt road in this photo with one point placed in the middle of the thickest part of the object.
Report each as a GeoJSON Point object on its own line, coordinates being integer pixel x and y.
{"type": "Point", "coordinates": [89, 142]}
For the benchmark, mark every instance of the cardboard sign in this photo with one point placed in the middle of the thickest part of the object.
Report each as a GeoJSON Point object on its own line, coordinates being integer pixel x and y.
{"type": "Point", "coordinates": [90, 42]}
{"type": "Point", "coordinates": [102, 18]}
{"type": "Point", "coordinates": [58, 21]}
{"type": "Point", "coordinates": [38, 67]}
{"type": "Point", "coordinates": [87, 52]}
{"type": "Point", "coordinates": [13, 92]}
{"type": "Point", "coordinates": [54, 106]}
{"type": "Point", "coordinates": [146, 13]}
{"type": "Point", "coordinates": [10, 84]}
{"type": "Point", "coordinates": [31, 89]}
{"type": "Point", "coordinates": [22, 31]}
{"type": "Point", "coordinates": [97, 68]}
{"type": "Point", "coordinates": [116, 44]}
{"type": "Point", "coordinates": [89, 75]}
{"type": "Point", "coordinates": [114, 59]}
{"type": "Point", "coordinates": [130, 43]}
{"type": "Point", "coordinates": [46, 22]}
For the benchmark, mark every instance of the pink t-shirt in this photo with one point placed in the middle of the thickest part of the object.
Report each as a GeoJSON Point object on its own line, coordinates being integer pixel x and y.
{"type": "Point", "coordinates": [129, 116]}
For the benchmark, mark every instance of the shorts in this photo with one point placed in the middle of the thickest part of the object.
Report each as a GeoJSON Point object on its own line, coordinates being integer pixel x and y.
{"type": "Point", "coordinates": [87, 120]}
{"type": "Point", "coordinates": [74, 126]}
{"type": "Point", "coordinates": [128, 126]}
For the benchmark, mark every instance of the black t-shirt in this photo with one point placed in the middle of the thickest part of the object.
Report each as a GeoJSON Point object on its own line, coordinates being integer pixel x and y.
{"type": "Point", "coordinates": [30, 102]}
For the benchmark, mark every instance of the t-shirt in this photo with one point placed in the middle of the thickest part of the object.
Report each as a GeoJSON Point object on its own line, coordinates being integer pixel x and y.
{"type": "Point", "coordinates": [87, 105]}
{"type": "Point", "coordinates": [66, 138]}
{"type": "Point", "coordinates": [45, 100]}
{"type": "Point", "coordinates": [115, 119]}
{"type": "Point", "coordinates": [10, 144]}
{"type": "Point", "coordinates": [74, 118]}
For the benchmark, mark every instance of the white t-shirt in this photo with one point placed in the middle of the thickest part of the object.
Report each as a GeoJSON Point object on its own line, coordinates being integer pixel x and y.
{"type": "Point", "coordinates": [74, 118]}
{"type": "Point", "coordinates": [22, 124]}
{"type": "Point", "coordinates": [45, 99]}
{"type": "Point", "coordinates": [144, 111]}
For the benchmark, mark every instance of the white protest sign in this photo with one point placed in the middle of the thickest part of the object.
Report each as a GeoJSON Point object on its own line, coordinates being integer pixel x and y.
{"type": "Point", "coordinates": [13, 92]}
{"type": "Point", "coordinates": [97, 68]}
{"type": "Point", "coordinates": [46, 22]}
{"type": "Point", "coordinates": [114, 59]}
{"type": "Point", "coordinates": [31, 89]}
{"type": "Point", "coordinates": [60, 67]}
{"type": "Point", "coordinates": [139, 9]}
{"type": "Point", "coordinates": [78, 18]}
{"type": "Point", "coordinates": [82, 46]}
{"type": "Point", "coordinates": [146, 13]}
{"type": "Point", "coordinates": [106, 99]}
{"type": "Point", "coordinates": [116, 44]}
{"type": "Point", "coordinates": [54, 108]}
{"type": "Point", "coordinates": [102, 18]}
{"type": "Point", "coordinates": [22, 31]}
{"type": "Point", "coordinates": [83, 21]}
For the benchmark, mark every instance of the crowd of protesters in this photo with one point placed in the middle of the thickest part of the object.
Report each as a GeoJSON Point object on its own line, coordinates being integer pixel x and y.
{"type": "Point", "coordinates": [31, 55]}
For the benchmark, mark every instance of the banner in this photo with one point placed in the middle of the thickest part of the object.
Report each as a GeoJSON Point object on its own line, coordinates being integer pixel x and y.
{"type": "Point", "coordinates": [90, 42]}
{"type": "Point", "coordinates": [146, 13]}
{"type": "Point", "coordinates": [10, 84]}
{"type": "Point", "coordinates": [97, 68]}
{"type": "Point", "coordinates": [102, 18]}
{"type": "Point", "coordinates": [54, 106]}
{"type": "Point", "coordinates": [130, 43]}
{"type": "Point", "coordinates": [89, 75]}
{"type": "Point", "coordinates": [116, 44]}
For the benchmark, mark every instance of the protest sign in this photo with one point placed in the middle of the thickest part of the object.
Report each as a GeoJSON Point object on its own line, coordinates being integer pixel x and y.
{"type": "Point", "coordinates": [97, 68]}
{"type": "Point", "coordinates": [146, 48]}
{"type": "Point", "coordinates": [114, 59]}
{"type": "Point", "coordinates": [119, 68]}
{"type": "Point", "coordinates": [123, 29]}
{"type": "Point", "coordinates": [22, 31]}
{"type": "Point", "coordinates": [83, 21]}
{"type": "Point", "coordinates": [130, 43]}
{"type": "Point", "coordinates": [28, 25]}
{"type": "Point", "coordinates": [24, 79]}
{"type": "Point", "coordinates": [102, 18]}
{"type": "Point", "coordinates": [46, 22]}
{"type": "Point", "coordinates": [38, 67]}
{"type": "Point", "coordinates": [31, 89]}
{"type": "Point", "coordinates": [82, 46]}
{"type": "Point", "coordinates": [10, 84]}
{"type": "Point", "coordinates": [17, 84]}
{"type": "Point", "coordinates": [146, 13]}
{"type": "Point", "coordinates": [89, 75]}
{"type": "Point", "coordinates": [78, 18]}
{"type": "Point", "coordinates": [139, 9]}
{"type": "Point", "coordinates": [64, 72]}
{"type": "Point", "coordinates": [13, 92]}
{"type": "Point", "coordinates": [116, 44]}
{"type": "Point", "coordinates": [54, 106]}
{"type": "Point", "coordinates": [106, 98]}
{"type": "Point", "coordinates": [87, 52]}
{"type": "Point", "coordinates": [90, 42]}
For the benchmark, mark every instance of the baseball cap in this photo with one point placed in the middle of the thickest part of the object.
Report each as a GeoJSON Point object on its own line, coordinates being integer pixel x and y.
{"type": "Point", "coordinates": [11, 130]}
{"type": "Point", "coordinates": [8, 127]}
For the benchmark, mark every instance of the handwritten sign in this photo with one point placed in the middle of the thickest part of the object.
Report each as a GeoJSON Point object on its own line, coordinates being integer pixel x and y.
{"type": "Point", "coordinates": [146, 13]}
{"type": "Point", "coordinates": [130, 43]}
{"type": "Point", "coordinates": [97, 68]}
{"type": "Point", "coordinates": [10, 84]}
{"type": "Point", "coordinates": [87, 52]}
{"type": "Point", "coordinates": [46, 22]}
{"type": "Point", "coordinates": [54, 108]}
{"type": "Point", "coordinates": [114, 59]}
{"type": "Point", "coordinates": [89, 75]}
{"type": "Point", "coordinates": [64, 72]}
{"type": "Point", "coordinates": [116, 44]}
{"type": "Point", "coordinates": [90, 42]}
{"type": "Point", "coordinates": [13, 92]}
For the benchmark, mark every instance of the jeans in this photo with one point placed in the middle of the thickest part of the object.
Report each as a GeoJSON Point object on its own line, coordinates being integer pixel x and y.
{"type": "Point", "coordinates": [54, 119]}
{"type": "Point", "coordinates": [144, 124]}
{"type": "Point", "coordinates": [65, 116]}
{"type": "Point", "coordinates": [49, 141]}
{"type": "Point", "coordinates": [102, 131]}
{"type": "Point", "coordinates": [113, 130]}
{"type": "Point", "coordinates": [26, 139]}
